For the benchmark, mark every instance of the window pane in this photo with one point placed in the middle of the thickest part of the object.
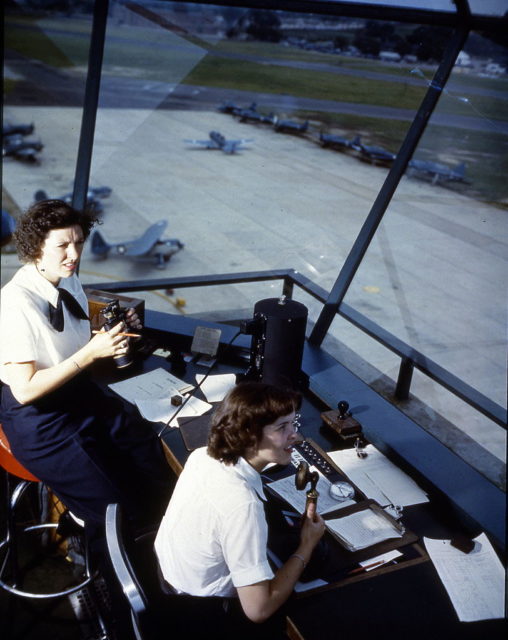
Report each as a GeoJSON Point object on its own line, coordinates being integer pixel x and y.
{"type": "Point", "coordinates": [434, 276]}
{"type": "Point", "coordinates": [44, 72]}
{"type": "Point", "coordinates": [287, 198]}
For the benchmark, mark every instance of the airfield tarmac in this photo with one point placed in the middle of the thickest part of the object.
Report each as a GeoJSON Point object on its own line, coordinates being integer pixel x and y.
{"type": "Point", "coordinates": [305, 211]}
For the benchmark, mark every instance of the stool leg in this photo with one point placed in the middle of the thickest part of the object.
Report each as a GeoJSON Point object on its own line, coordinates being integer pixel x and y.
{"type": "Point", "coordinates": [11, 556]}
{"type": "Point", "coordinates": [9, 551]}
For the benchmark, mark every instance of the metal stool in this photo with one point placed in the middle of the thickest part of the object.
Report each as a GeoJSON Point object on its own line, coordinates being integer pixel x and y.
{"type": "Point", "coordinates": [66, 527]}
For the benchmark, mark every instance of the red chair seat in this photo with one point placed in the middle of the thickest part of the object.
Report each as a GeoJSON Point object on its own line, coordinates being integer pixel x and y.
{"type": "Point", "coordinates": [9, 462]}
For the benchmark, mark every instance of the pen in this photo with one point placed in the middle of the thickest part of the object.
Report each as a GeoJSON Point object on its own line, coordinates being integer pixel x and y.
{"type": "Point", "coordinates": [127, 335]}
{"type": "Point", "coordinates": [367, 566]}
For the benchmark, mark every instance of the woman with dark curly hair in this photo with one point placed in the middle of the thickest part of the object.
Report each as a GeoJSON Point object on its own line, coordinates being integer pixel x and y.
{"type": "Point", "coordinates": [60, 425]}
{"type": "Point", "coordinates": [212, 539]}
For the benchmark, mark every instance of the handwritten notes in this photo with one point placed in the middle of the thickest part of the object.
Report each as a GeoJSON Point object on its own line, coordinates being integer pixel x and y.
{"type": "Point", "coordinates": [158, 383]}
{"type": "Point", "coordinates": [363, 529]}
{"type": "Point", "coordinates": [379, 478]}
{"type": "Point", "coordinates": [474, 581]}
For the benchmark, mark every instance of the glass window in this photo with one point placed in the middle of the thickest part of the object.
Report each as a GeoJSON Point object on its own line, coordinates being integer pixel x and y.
{"type": "Point", "coordinates": [434, 273]}
{"type": "Point", "coordinates": [44, 73]}
{"type": "Point", "coordinates": [304, 104]}
{"type": "Point", "coordinates": [260, 140]}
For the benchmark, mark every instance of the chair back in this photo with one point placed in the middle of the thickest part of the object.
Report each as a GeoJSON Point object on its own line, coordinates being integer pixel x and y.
{"type": "Point", "coordinates": [9, 462]}
{"type": "Point", "coordinates": [135, 566]}
{"type": "Point", "coordinates": [155, 613]}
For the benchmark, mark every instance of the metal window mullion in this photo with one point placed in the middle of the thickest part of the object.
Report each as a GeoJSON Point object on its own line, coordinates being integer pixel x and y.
{"type": "Point", "coordinates": [91, 100]}
{"type": "Point", "coordinates": [386, 192]}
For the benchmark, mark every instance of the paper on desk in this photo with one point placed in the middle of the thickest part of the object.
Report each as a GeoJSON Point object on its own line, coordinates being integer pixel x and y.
{"type": "Point", "coordinates": [378, 561]}
{"type": "Point", "coordinates": [363, 529]}
{"type": "Point", "coordinates": [474, 581]}
{"type": "Point", "coordinates": [379, 478]}
{"type": "Point", "coordinates": [161, 409]}
{"type": "Point", "coordinates": [216, 387]}
{"type": "Point", "coordinates": [286, 488]}
{"type": "Point", "coordinates": [158, 383]}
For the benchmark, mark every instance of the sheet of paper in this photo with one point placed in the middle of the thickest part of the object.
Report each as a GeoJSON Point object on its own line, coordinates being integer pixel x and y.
{"type": "Point", "coordinates": [286, 488]}
{"type": "Point", "coordinates": [378, 561]}
{"type": "Point", "coordinates": [363, 529]}
{"type": "Point", "coordinates": [161, 409]}
{"type": "Point", "coordinates": [379, 478]}
{"type": "Point", "coordinates": [158, 383]}
{"type": "Point", "coordinates": [474, 581]}
{"type": "Point", "coordinates": [216, 387]}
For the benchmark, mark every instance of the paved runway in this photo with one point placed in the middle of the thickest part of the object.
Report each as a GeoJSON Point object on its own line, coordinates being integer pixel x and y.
{"type": "Point", "coordinates": [432, 275]}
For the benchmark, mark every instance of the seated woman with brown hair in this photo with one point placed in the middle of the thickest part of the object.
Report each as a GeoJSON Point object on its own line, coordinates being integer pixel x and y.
{"type": "Point", "coordinates": [61, 426]}
{"type": "Point", "coordinates": [212, 539]}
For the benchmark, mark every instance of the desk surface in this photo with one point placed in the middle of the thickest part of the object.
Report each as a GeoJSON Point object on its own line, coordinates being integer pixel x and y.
{"type": "Point", "coordinates": [408, 603]}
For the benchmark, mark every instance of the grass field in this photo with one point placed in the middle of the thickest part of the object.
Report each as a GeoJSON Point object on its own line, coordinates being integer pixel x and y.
{"type": "Point", "coordinates": [259, 67]}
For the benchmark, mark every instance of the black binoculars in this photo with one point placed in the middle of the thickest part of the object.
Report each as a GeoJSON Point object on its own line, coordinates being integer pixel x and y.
{"type": "Point", "coordinates": [113, 314]}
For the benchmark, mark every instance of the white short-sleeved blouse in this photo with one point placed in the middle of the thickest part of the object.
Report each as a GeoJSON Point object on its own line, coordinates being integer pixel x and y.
{"type": "Point", "coordinates": [213, 536]}
{"type": "Point", "coordinates": [25, 330]}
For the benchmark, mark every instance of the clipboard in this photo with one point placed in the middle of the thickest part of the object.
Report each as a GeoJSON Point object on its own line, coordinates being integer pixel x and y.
{"type": "Point", "coordinates": [406, 537]}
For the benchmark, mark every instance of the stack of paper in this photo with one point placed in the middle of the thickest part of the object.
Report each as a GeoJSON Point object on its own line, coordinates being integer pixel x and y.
{"type": "Point", "coordinates": [378, 478]}
{"type": "Point", "coordinates": [152, 392]}
{"type": "Point", "coordinates": [363, 529]}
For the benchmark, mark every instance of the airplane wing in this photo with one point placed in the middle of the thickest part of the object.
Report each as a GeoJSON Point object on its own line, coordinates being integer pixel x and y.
{"type": "Point", "coordinates": [25, 153]}
{"type": "Point", "coordinates": [207, 144]}
{"type": "Point", "coordinates": [230, 146]}
{"type": "Point", "coordinates": [145, 243]}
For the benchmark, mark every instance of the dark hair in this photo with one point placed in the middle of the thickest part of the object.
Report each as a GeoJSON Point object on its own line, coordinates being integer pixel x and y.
{"type": "Point", "coordinates": [42, 217]}
{"type": "Point", "coordinates": [238, 422]}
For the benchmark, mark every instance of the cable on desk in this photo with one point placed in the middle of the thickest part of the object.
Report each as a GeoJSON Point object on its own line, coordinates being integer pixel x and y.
{"type": "Point", "coordinates": [191, 394]}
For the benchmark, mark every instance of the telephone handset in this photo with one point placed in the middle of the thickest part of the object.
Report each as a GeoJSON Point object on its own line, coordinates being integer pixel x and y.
{"type": "Point", "coordinates": [303, 476]}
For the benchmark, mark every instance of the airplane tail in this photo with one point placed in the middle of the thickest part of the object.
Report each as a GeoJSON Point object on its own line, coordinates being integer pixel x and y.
{"type": "Point", "coordinates": [231, 147]}
{"type": "Point", "coordinates": [460, 170]}
{"type": "Point", "coordinates": [99, 246]}
{"type": "Point", "coordinates": [40, 195]}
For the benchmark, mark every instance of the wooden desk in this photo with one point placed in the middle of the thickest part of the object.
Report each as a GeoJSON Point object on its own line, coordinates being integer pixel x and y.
{"type": "Point", "coordinates": [409, 602]}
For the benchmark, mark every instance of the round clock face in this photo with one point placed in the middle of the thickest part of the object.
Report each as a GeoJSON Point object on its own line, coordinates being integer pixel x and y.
{"type": "Point", "coordinates": [342, 491]}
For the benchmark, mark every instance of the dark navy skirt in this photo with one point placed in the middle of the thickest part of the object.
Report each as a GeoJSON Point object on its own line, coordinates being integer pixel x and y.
{"type": "Point", "coordinates": [90, 450]}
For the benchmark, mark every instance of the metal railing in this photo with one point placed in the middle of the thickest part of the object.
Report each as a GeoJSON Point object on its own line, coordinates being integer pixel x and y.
{"type": "Point", "coordinates": [410, 358]}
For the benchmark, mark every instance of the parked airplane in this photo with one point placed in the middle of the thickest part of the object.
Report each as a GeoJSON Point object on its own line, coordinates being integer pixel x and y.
{"type": "Point", "coordinates": [218, 141]}
{"type": "Point", "coordinates": [148, 245]}
{"type": "Point", "coordinates": [6, 228]}
{"type": "Point", "coordinates": [19, 148]}
{"type": "Point", "coordinates": [290, 126]}
{"type": "Point", "coordinates": [374, 154]}
{"type": "Point", "coordinates": [9, 129]}
{"type": "Point", "coordinates": [92, 197]}
{"type": "Point", "coordinates": [229, 107]}
{"type": "Point", "coordinates": [335, 142]}
{"type": "Point", "coordinates": [251, 114]}
{"type": "Point", "coordinates": [438, 172]}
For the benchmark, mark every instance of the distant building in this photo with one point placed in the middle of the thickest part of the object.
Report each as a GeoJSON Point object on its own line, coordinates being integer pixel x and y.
{"type": "Point", "coordinates": [389, 56]}
{"type": "Point", "coordinates": [495, 69]}
{"type": "Point", "coordinates": [463, 60]}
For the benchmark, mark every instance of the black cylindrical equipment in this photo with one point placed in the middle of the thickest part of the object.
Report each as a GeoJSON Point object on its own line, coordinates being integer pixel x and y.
{"type": "Point", "coordinates": [278, 337]}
